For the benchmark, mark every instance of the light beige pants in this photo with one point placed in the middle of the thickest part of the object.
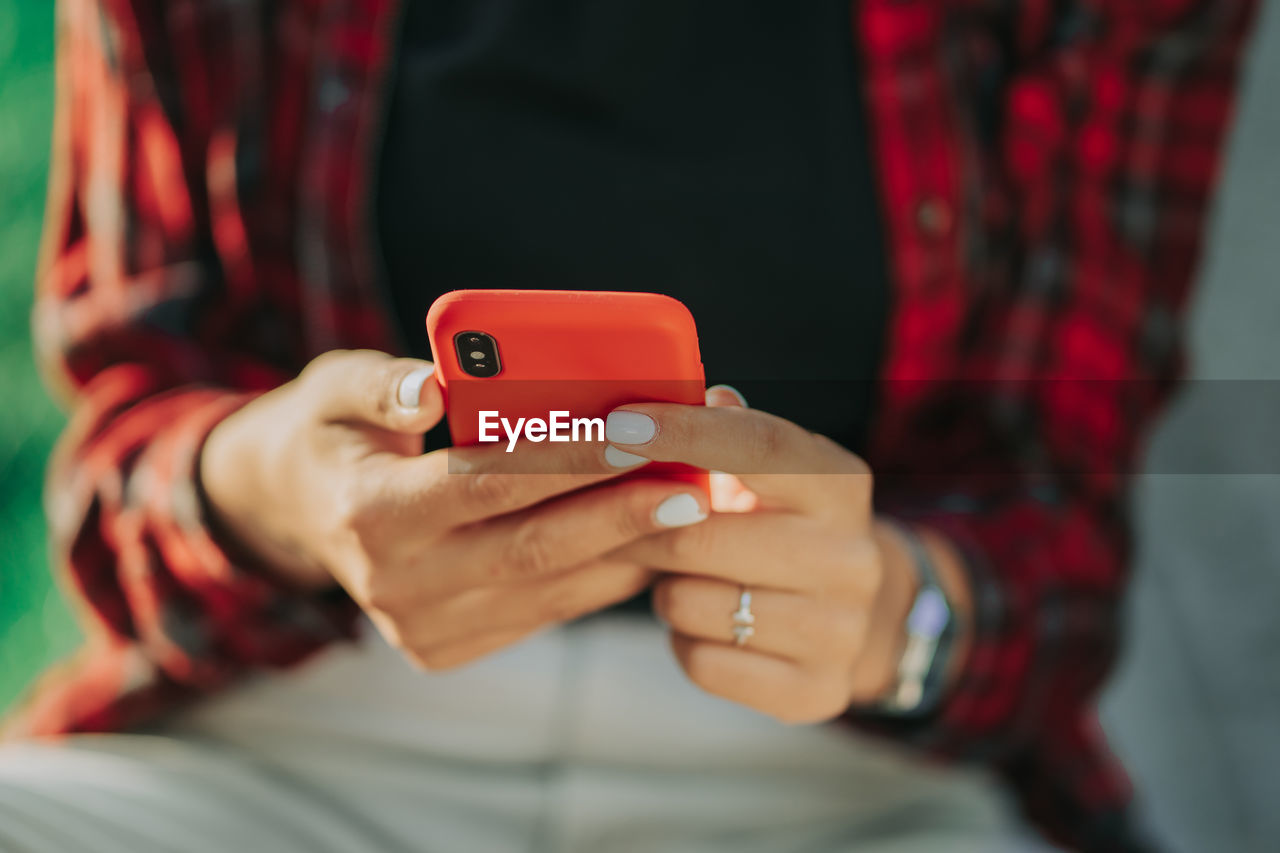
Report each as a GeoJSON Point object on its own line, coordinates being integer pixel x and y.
{"type": "Point", "coordinates": [584, 738]}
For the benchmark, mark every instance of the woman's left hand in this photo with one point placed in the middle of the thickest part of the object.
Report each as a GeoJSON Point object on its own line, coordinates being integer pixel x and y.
{"type": "Point", "coordinates": [830, 585]}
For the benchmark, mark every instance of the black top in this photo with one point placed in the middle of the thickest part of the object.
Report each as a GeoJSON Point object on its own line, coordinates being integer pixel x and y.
{"type": "Point", "coordinates": [715, 151]}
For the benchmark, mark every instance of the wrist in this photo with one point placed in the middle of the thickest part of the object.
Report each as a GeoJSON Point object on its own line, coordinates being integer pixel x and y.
{"type": "Point", "coordinates": [927, 604]}
{"type": "Point", "coordinates": [225, 475]}
{"type": "Point", "coordinates": [886, 640]}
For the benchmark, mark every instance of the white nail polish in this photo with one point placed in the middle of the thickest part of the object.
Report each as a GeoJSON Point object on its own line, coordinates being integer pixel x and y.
{"type": "Point", "coordinates": [629, 428]}
{"type": "Point", "coordinates": [409, 394]}
{"type": "Point", "coordinates": [742, 401]}
{"type": "Point", "coordinates": [679, 511]}
{"type": "Point", "coordinates": [621, 458]}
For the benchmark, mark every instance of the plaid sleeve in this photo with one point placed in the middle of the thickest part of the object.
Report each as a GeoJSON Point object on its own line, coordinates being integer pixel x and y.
{"type": "Point", "coordinates": [1112, 121]}
{"type": "Point", "coordinates": [145, 322]}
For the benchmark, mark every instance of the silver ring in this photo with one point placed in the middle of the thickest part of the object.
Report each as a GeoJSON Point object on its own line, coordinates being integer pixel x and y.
{"type": "Point", "coordinates": [743, 619]}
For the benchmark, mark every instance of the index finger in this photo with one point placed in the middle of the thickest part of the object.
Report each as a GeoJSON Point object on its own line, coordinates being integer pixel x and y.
{"type": "Point", "coordinates": [773, 457]}
{"type": "Point", "coordinates": [478, 482]}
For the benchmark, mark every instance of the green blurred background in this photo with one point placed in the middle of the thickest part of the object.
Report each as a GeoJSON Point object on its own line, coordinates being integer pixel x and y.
{"type": "Point", "coordinates": [35, 625]}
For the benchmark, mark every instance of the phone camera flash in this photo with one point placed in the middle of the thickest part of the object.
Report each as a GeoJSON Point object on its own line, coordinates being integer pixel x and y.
{"type": "Point", "coordinates": [476, 354]}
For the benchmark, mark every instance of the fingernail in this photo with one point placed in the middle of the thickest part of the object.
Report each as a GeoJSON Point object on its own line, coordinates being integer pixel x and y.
{"type": "Point", "coordinates": [737, 395]}
{"type": "Point", "coordinates": [629, 428]}
{"type": "Point", "coordinates": [679, 511]}
{"type": "Point", "coordinates": [621, 458]}
{"type": "Point", "coordinates": [409, 394]}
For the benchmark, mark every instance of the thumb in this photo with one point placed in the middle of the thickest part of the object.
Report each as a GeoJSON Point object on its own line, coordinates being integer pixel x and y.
{"type": "Point", "coordinates": [397, 394]}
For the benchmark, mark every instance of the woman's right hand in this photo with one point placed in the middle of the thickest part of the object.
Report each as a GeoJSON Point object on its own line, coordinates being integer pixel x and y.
{"type": "Point", "coordinates": [454, 553]}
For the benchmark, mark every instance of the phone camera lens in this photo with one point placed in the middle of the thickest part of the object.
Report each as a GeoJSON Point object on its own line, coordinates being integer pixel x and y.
{"type": "Point", "coordinates": [477, 354]}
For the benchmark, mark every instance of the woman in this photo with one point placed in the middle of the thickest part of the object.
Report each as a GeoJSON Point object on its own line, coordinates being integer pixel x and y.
{"type": "Point", "coordinates": [992, 209]}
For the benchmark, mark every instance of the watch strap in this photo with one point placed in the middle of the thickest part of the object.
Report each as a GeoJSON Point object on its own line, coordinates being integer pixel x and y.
{"type": "Point", "coordinates": [930, 630]}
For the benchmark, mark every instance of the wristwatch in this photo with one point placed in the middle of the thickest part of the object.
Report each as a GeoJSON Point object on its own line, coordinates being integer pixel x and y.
{"type": "Point", "coordinates": [931, 629]}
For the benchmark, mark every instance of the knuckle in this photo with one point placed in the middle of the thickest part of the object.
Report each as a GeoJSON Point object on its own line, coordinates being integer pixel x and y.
{"type": "Point", "coordinates": [360, 579]}
{"type": "Point", "coordinates": [850, 463]}
{"type": "Point", "coordinates": [831, 702]}
{"type": "Point", "coordinates": [382, 593]}
{"type": "Point", "coordinates": [791, 714]}
{"type": "Point", "coordinates": [530, 552]}
{"type": "Point", "coordinates": [377, 594]}
{"type": "Point", "coordinates": [860, 484]}
{"type": "Point", "coordinates": [439, 660]}
{"type": "Point", "coordinates": [818, 704]}
{"type": "Point", "coordinates": [487, 489]}
{"type": "Point", "coordinates": [764, 438]}
{"type": "Point", "coordinates": [325, 363]}
{"type": "Point", "coordinates": [870, 568]}
{"type": "Point", "coordinates": [357, 519]}
{"type": "Point", "coordinates": [635, 515]}
{"type": "Point", "coordinates": [350, 506]}
{"type": "Point", "coordinates": [677, 428]}
{"type": "Point", "coordinates": [858, 467]}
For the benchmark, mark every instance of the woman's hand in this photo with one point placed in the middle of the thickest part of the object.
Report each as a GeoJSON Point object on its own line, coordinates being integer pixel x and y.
{"type": "Point", "coordinates": [831, 586]}
{"type": "Point", "coordinates": [453, 554]}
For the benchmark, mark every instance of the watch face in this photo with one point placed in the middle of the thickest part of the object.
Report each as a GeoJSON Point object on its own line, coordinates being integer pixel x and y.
{"type": "Point", "coordinates": [929, 615]}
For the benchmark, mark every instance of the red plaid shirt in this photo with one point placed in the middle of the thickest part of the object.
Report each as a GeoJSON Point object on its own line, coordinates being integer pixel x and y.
{"type": "Point", "coordinates": [1045, 168]}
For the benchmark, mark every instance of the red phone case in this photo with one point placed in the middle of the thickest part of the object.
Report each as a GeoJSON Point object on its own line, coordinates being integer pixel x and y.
{"type": "Point", "coordinates": [585, 352]}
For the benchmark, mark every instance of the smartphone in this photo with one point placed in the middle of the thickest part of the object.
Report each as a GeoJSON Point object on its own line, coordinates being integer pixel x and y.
{"type": "Point", "coordinates": [558, 361]}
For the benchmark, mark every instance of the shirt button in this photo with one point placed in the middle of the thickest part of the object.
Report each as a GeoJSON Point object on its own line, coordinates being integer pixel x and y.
{"type": "Point", "coordinates": [334, 92]}
{"type": "Point", "coordinates": [934, 216]}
